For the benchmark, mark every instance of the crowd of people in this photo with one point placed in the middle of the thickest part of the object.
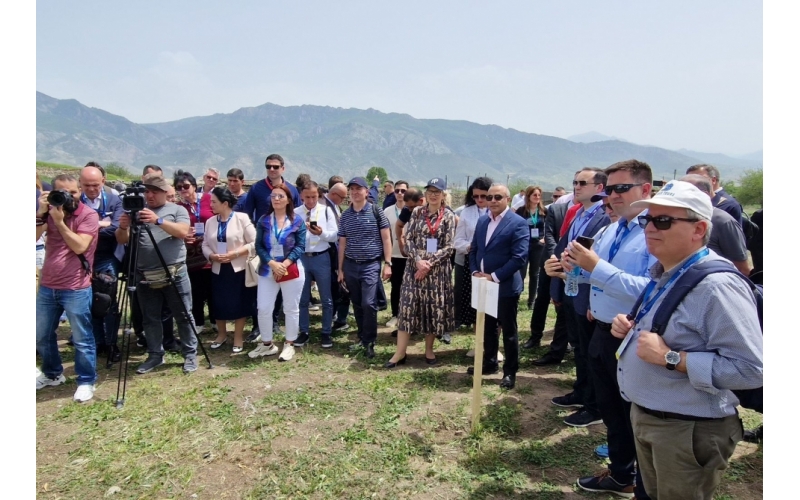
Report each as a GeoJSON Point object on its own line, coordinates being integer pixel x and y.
{"type": "Point", "coordinates": [603, 256]}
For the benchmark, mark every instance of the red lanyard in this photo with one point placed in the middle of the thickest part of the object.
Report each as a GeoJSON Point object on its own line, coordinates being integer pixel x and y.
{"type": "Point", "coordinates": [435, 227]}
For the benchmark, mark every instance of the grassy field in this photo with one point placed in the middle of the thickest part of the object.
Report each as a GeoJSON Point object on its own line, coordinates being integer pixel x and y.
{"type": "Point", "coordinates": [327, 425]}
{"type": "Point", "coordinates": [49, 170]}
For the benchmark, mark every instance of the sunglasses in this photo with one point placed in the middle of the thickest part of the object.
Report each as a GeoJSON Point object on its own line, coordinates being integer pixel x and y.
{"type": "Point", "coordinates": [582, 183]}
{"type": "Point", "coordinates": [620, 188]}
{"type": "Point", "coordinates": [479, 196]}
{"type": "Point", "coordinates": [399, 191]}
{"type": "Point", "coordinates": [607, 207]}
{"type": "Point", "coordinates": [273, 167]}
{"type": "Point", "coordinates": [184, 187]}
{"type": "Point", "coordinates": [277, 196]}
{"type": "Point", "coordinates": [432, 193]}
{"type": "Point", "coordinates": [495, 197]}
{"type": "Point", "coordinates": [660, 222]}
{"type": "Point", "coordinates": [557, 196]}
{"type": "Point", "coordinates": [208, 177]}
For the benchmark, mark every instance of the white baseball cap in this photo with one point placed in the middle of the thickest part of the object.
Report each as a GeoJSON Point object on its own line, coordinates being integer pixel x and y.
{"type": "Point", "coordinates": [680, 194]}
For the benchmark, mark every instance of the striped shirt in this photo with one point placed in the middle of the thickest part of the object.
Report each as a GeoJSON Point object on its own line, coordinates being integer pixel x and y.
{"type": "Point", "coordinates": [717, 325]}
{"type": "Point", "coordinates": [362, 232]}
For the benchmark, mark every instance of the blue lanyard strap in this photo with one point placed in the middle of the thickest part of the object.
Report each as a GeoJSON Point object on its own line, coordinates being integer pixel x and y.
{"type": "Point", "coordinates": [197, 210]}
{"type": "Point", "coordinates": [575, 232]}
{"type": "Point", "coordinates": [648, 304]}
{"type": "Point", "coordinates": [622, 232]}
{"type": "Point", "coordinates": [101, 212]}
{"type": "Point", "coordinates": [535, 218]}
{"type": "Point", "coordinates": [275, 227]}
{"type": "Point", "coordinates": [223, 228]}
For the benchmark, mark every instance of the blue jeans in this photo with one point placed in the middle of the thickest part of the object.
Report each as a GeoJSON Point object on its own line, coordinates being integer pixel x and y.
{"type": "Point", "coordinates": [151, 301]}
{"type": "Point", "coordinates": [105, 329]}
{"type": "Point", "coordinates": [77, 304]}
{"type": "Point", "coordinates": [362, 280]}
{"type": "Point", "coordinates": [318, 268]}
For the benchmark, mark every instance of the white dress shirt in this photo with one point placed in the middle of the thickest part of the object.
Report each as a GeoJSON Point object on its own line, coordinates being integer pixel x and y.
{"type": "Point", "coordinates": [464, 231]}
{"type": "Point", "coordinates": [326, 220]}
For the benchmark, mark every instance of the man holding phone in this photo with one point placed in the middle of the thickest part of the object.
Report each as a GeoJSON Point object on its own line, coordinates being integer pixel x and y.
{"type": "Point", "coordinates": [617, 270]}
{"type": "Point", "coordinates": [321, 231]}
{"type": "Point", "coordinates": [588, 220]}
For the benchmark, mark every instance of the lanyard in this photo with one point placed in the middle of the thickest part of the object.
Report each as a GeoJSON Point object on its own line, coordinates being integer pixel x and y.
{"type": "Point", "coordinates": [275, 227]}
{"type": "Point", "coordinates": [222, 228]}
{"type": "Point", "coordinates": [101, 212]}
{"type": "Point", "coordinates": [573, 232]}
{"type": "Point", "coordinates": [270, 186]}
{"type": "Point", "coordinates": [435, 227]}
{"type": "Point", "coordinates": [648, 304]}
{"type": "Point", "coordinates": [396, 212]}
{"type": "Point", "coordinates": [535, 218]}
{"type": "Point", "coordinates": [623, 230]}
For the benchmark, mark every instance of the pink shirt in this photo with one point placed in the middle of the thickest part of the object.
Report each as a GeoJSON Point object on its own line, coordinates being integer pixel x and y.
{"type": "Point", "coordinates": [62, 268]}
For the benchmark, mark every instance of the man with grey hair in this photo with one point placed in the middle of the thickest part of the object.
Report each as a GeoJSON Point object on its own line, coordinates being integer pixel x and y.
{"type": "Point", "coordinates": [210, 180]}
{"type": "Point", "coordinates": [680, 377]}
{"type": "Point", "coordinates": [720, 198]}
{"type": "Point", "coordinates": [727, 238]}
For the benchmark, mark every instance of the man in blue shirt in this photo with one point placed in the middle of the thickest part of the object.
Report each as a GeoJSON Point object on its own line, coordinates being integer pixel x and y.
{"type": "Point", "coordinates": [617, 269]}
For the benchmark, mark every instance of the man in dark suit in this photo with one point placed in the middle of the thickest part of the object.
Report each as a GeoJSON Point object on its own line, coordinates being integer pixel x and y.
{"type": "Point", "coordinates": [558, 347]}
{"type": "Point", "coordinates": [589, 219]}
{"type": "Point", "coordinates": [721, 198]}
{"type": "Point", "coordinates": [498, 251]}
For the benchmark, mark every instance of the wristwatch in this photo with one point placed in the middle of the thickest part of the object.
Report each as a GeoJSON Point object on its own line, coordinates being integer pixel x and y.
{"type": "Point", "coordinates": [388, 263]}
{"type": "Point", "coordinates": [672, 358]}
{"type": "Point", "coordinates": [159, 221]}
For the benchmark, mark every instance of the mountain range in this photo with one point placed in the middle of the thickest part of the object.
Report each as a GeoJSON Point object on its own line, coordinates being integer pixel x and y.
{"type": "Point", "coordinates": [322, 141]}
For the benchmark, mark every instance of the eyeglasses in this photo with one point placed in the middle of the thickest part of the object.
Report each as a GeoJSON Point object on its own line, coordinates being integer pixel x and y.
{"type": "Point", "coordinates": [479, 196]}
{"type": "Point", "coordinates": [582, 183]}
{"type": "Point", "coordinates": [273, 167]}
{"type": "Point", "coordinates": [557, 196]}
{"type": "Point", "coordinates": [278, 196]}
{"type": "Point", "coordinates": [208, 177]}
{"type": "Point", "coordinates": [399, 191]}
{"type": "Point", "coordinates": [620, 188]}
{"type": "Point", "coordinates": [184, 187]}
{"type": "Point", "coordinates": [495, 197]}
{"type": "Point", "coordinates": [432, 193]}
{"type": "Point", "coordinates": [660, 222]}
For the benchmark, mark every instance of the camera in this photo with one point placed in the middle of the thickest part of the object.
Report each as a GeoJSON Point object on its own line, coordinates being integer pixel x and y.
{"type": "Point", "coordinates": [62, 198]}
{"type": "Point", "coordinates": [133, 197]}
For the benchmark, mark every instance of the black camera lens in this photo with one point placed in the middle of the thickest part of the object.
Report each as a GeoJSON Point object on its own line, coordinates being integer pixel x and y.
{"type": "Point", "coordinates": [58, 198]}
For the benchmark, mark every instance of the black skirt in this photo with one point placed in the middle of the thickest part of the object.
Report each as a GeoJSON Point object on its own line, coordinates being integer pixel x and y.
{"type": "Point", "coordinates": [232, 300]}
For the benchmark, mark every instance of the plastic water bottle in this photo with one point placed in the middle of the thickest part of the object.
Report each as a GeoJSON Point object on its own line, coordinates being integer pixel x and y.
{"type": "Point", "coordinates": [571, 288]}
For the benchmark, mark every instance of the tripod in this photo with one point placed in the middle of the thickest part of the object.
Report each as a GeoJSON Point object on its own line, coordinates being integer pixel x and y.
{"type": "Point", "coordinates": [125, 298]}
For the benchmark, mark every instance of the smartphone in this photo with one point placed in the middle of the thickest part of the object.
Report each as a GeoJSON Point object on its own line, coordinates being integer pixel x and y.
{"type": "Point", "coordinates": [585, 242]}
{"type": "Point", "coordinates": [313, 223]}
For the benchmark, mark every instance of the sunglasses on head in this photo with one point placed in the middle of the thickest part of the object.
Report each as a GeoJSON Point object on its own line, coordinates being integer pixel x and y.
{"type": "Point", "coordinates": [660, 222]}
{"type": "Point", "coordinates": [582, 183]}
{"type": "Point", "coordinates": [620, 188]}
{"type": "Point", "coordinates": [495, 197]}
{"type": "Point", "coordinates": [399, 191]}
{"type": "Point", "coordinates": [183, 187]}
{"type": "Point", "coordinates": [273, 167]}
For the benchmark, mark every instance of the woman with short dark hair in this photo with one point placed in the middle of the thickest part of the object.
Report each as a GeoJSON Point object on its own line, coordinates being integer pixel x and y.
{"type": "Point", "coordinates": [230, 240]}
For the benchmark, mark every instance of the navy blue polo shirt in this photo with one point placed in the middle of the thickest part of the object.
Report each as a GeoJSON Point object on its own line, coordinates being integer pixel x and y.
{"type": "Point", "coordinates": [362, 232]}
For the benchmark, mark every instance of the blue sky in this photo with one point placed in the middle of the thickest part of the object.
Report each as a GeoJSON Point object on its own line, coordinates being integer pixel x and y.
{"type": "Point", "coordinates": [672, 74]}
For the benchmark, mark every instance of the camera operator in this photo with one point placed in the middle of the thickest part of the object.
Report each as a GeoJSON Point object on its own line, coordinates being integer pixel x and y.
{"type": "Point", "coordinates": [169, 224]}
{"type": "Point", "coordinates": [66, 283]}
{"type": "Point", "coordinates": [108, 254]}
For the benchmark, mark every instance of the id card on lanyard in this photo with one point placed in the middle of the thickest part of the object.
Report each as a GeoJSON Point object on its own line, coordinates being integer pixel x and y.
{"type": "Point", "coordinates": [432, 244]}
{"type": "Point", "coordinates": [277, 246]}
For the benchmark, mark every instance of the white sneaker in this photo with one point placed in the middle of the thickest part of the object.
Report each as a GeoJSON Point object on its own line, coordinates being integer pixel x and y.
{"type": "Point", "coordinates": [84, 393]}
{"type": "Point", "coordinates": [43, 381]}
{"type": "Point", "coordinates": [392, 322]}
{"type": "Point", "coordinates": [500, 358]}
{"type": "Point", "coordinates": [263, 350]}
{"type": "Point", "coordinates": [287, 353]}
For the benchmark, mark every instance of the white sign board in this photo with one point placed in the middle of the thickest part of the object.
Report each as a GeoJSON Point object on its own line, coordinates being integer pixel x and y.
{"type": "Point", "coordinates": [490, 291]}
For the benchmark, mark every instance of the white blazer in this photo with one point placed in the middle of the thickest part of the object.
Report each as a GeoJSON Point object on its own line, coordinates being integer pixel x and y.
{"type": "Point", "coordinates": [240, 233]}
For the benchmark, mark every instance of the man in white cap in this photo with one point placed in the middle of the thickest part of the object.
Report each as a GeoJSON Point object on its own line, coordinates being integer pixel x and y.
{"type": "Point", "coordinates": [680, 380]}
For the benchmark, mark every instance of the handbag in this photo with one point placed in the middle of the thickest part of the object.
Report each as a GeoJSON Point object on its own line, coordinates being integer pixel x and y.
{"type": "Point", "coordinates": [292, 272]}
{"type": "Point", "coordinates": [251, 271]}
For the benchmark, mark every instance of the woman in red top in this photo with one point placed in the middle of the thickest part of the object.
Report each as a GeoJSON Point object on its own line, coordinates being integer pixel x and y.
{"type": "Point", "coordinates": [199, 267]}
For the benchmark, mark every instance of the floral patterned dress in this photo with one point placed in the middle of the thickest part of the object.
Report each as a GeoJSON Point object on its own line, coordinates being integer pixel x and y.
{"type": "Point", "coordinates": [426, 306]}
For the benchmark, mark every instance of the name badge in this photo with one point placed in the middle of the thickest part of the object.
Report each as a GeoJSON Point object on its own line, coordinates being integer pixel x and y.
{"type": "Point", "coordinates": [222, 247]}
{"type": "Point", "coordinates": [199, 229]}
{"type": "Point", "coordinates": [624, 343]}
{"type": "Point", "coordinates": [534, 232]}
{"type": "Point", "coordinates": [313, 240]}
{"type": "Point", "coordinates": [432, 245]}
{"type": "Point", "coordinates": [277, 251]}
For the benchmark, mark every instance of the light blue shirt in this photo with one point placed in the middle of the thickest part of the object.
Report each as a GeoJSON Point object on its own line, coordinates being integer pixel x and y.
{"type": "Point", "coordinates": [617, 284]}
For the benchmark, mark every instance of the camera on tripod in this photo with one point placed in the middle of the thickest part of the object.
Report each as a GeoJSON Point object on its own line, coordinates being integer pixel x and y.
{"type": "Point", "coordinates": [62, 198]}
{"type": "Point", "coordinates": [133, 197]}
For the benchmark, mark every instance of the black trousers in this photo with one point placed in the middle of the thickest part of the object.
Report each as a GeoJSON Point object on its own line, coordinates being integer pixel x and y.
{"type": "Point", "coordinates": [169, 341]}
{"type": "Point", "coordinates": [580, 332]}
{"type": "Point", "coordinates": [201, 295]}
{"type": "Point", "coordinates": [507, 319]}
{"type": "Point", "coordinates": [398, 269]}
{"type": "Point", "coordinates": [533, 268]}
{"type": "Point", "coordinates": [540, 307]}
{"type": "Point", "coordinates": [614, 410]}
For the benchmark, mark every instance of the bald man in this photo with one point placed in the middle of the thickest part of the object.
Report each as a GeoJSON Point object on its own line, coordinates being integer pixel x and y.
{"type": "Point", "coordinates": [108, 254]}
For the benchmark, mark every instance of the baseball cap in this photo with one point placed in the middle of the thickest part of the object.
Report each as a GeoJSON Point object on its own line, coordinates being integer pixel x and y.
{"type": "Point", "coordinates": [680, 194]}
{"type": "Point", "coordinates": [156, 181]}
{"type": "Point", "coordinates": [358, 181]}
{"type": "Point", "coordinates": [437, 183]}
{"type": "Point", "coordinates": [599, 196]}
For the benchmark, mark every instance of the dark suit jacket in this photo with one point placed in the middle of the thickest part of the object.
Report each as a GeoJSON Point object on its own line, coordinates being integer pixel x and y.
{"type": "Point", "coordinates": [581, 301]}
{"type": "Point", "coordinates": [552, 226]}
{"type": "Point", "coordinates": [728, 203]}
{"type": "Point", "coordinates": [505, 254]}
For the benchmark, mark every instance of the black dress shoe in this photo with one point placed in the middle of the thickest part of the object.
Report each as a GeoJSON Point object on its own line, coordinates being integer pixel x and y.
{"type": "Point", "coordinates": [508, 381]}
{"type": "Point", "coordinates": [531, 344]}
{"type": "Point", "coordinates": [390, 365]}
{"type": "Point", "coordinates": [394, 333]}
{"type": "Point", "coordinates": [546, 360]}
{"type": "Point", "coordinates": [431, 361]}
{"type": "Point", "coordinates": [116, 355]}
{"type": "Point", "coordinates": [370, 350]}
{"type": "Point", "coordinates": [486, 370]}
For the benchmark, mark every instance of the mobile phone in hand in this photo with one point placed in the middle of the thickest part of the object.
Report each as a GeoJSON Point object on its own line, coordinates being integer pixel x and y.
{"type": "Point", "coordinates": [585, 242]}
{"type": "Point", "coordinates": [313, 224]}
